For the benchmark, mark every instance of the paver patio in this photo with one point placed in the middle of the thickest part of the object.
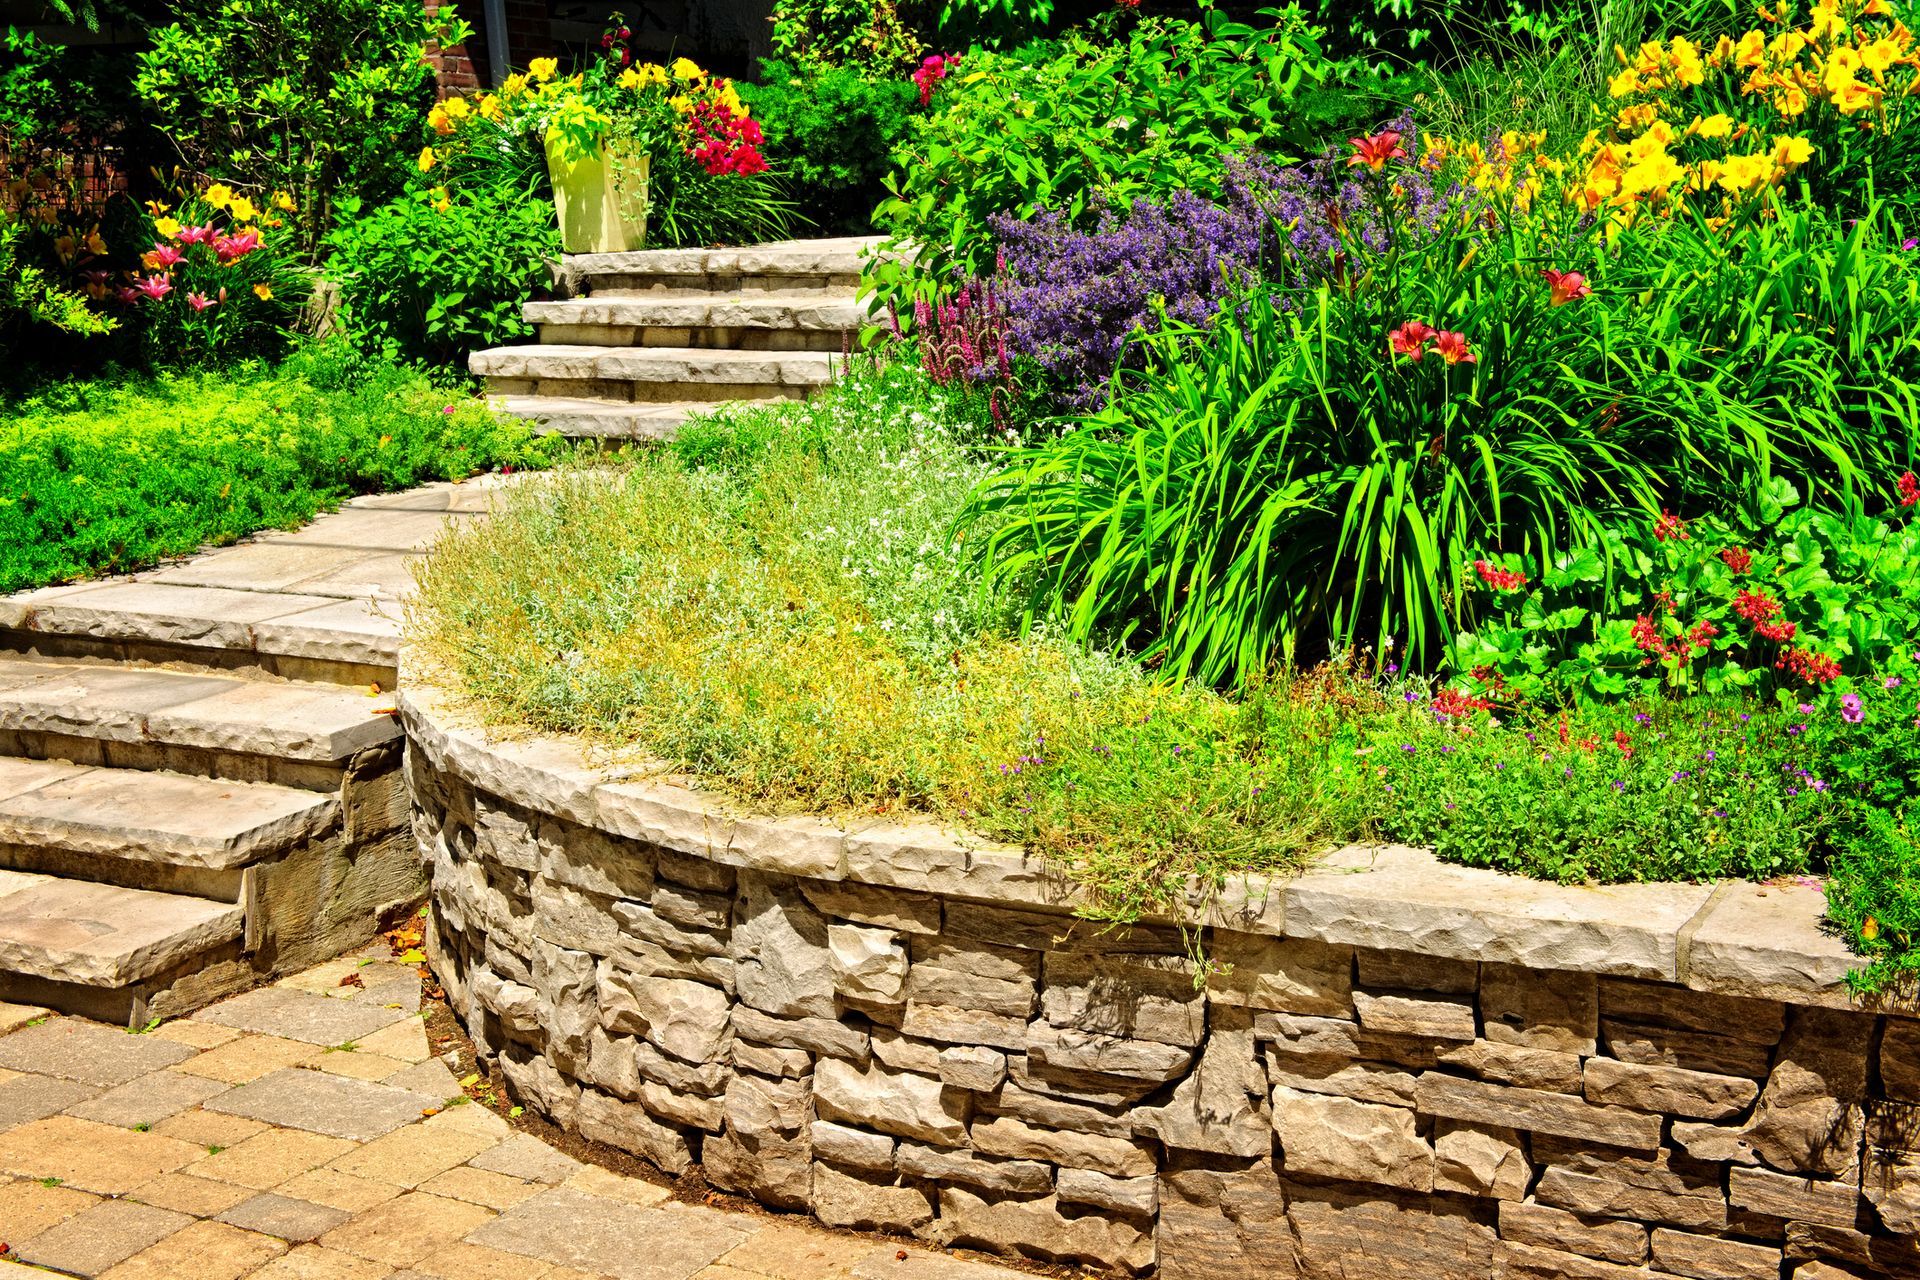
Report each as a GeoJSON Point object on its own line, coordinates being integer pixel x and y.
{"type": "Point", "coordinates": [305, 1131]}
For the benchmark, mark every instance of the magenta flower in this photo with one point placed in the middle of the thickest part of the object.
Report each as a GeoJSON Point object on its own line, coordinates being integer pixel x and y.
{"type": "Point", "coordinates": [1850, 709]}
{"type": "Point", "coordinates": [155, 287]}
{"type": "Point", "coordinates": [199, 301]}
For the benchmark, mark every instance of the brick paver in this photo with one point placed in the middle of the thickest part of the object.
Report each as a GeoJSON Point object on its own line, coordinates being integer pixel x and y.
{"type": "Point", "coordinates": [234, 1146]}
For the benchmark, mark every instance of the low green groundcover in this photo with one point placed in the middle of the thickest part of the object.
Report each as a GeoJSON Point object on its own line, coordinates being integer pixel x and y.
{"type": "Point", "coordinates": [109, 476]}
{"type": "Point", "coordinates": [777, 605]}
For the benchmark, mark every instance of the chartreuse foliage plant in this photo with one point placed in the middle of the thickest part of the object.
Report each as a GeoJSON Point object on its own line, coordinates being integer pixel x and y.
{"type": "Point", "coordinates": [107, 476]}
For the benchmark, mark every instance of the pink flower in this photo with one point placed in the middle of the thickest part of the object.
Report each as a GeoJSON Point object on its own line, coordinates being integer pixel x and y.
{"type": "Point", "coordinates": [162, 257]}
{"type": "Point", "coordinates": [199, 301]}
{"type": "Point", "coordinates": [195, 235]}
{"type": "Point", "coordinates": [1850, 709]}
{"type": "Point", "coordinates": [1374, 152]}
{"type": "Point", "coordinates": [233, 248]}
{"type": "Point", "coordinates": [155, 287]}
{"type": "Point", "coordinates": [931, 73]}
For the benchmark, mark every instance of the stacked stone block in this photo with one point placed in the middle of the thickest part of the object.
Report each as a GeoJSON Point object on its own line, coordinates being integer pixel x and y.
{"type": "Point", "coordinates": [1026, 1082]}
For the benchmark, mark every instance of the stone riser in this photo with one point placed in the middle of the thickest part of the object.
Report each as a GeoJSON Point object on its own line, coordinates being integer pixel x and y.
{"type": "Point", "coordinates": [611, 285]}
{"type": "Point", "coordinates": [70, 648]}
{"type": "Point", "coordinates": [708, 339]}
{"type": "Point", "coordinates": [622, 391]}
{"type": "Point", "coordinates": [200, 981]}
{"type": "Point", "coordinates": [198, 762]}
{"type": "Point", "coordinates": [216, 885]}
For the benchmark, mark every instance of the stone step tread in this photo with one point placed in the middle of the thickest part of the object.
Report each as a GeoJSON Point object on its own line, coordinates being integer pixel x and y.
{"type": "Point", "coordinates": [844, 255]}
{"type": "Point", "coordinates": [153, 816]}
{"type": "Point", "coordinates": [99, 935]}
{"type": "Point", "coordinates": [609, 419]}
{"type": "Point", "coordinates": [164, 610]}
{"type": "Point", "coordinates": [563, 361]}
{"type": "Point", "coordinates": [817, 311]}
{"type": "Point", "coordinates": [314, 723]}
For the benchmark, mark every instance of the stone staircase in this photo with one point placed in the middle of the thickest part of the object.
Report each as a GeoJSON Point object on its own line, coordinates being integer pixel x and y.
{"type": "Point", "coordinates": [639, 341]}
{"type": "Point", "coordinates": [200, 771]}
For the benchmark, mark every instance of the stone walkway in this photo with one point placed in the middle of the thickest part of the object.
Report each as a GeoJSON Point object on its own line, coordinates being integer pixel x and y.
{"type": "Point", "coordinates": [305, 1131]}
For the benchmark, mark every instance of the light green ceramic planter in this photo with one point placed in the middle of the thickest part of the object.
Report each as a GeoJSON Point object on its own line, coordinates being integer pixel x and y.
{"type": "Point", "coordinates": [601, 199]}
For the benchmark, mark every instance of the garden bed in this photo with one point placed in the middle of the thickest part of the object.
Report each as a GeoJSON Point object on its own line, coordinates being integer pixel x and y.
{"type": "Point", "coordinates": [901, 1027]}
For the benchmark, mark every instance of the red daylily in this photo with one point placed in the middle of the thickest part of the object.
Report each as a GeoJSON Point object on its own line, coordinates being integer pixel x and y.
{"type": "Point", "coordinates": [1374, 152]}
{"type": "Point", "coordinates": [233, 248]}
{"type": "Point", "coordinates": [1451, 346]}
{"type": "Point", "coordinates": [1565, 286]}
{"type": "Point", "coordinates": [1410, 339]}
{"type": "Point", "coordinates": [155, 287]}
{"type": "Point", "coordinates": [162, 257]}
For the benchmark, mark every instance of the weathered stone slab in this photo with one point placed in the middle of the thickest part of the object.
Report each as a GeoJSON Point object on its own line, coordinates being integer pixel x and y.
{"type": "Point", "coordinates": [1039, 1228]}
{"type": "Point", "coordinates": [972, 1067]}
{"type": "Point", "coordinates": [689, 1020]}
{"type": "Point", "coordinates": [1671, 1090]}
{"type": "Point", "coordinates": [1054, 1113]}
{"type": "Point", "coordinates": [1427, 1019]}
{"type": "Point", "coordinates": [87, 1052]}
{"type": "Point", "coordinates": [1216, 1108]}
{"type": "Point", "coordinates": [1365, 1081]}
{"type": "Point", "coordinates": [1289, 975]}
{"type": "Point", "coordinates": [1479, 1160]}
{"type": "Point", "coordinates": [630, 1127]}
{"type": "Point", "coordinates": [844, 1200]}
{"type": "Point", "coordinates": [1646, 1196]}
{"type": "Point", "coordinates": [1535, 1110]}
{"type": "Point", "coordinates": [1412, 971]}
{"type": "Point", "coordinates": [1135, 997]}
{"type": "Point", "coordinates": [834, 1039]}
{"type": "Point", "coordinates": [1688, 1050]}
{"type": "Point", "coordinates": [907, 1106]}
{"type": "Point", "coordinates": [1322, 1136]}
{"type": "Point", "coordinates": [1656, 1004]}
{"type": "Point", "coordinates": [1783, 1195]}
{"type": "Point", "coordinates": [852, 1148]}
{"type": "Point", "coordinates": [864, 904]}
{"type": "Point", "coordinates": [1071, 1050]}
{"type": "Point", "coordinates": [1550, 1228]}
{"type": "Point", "coordinates": [1138, 1196]}
{"type": "Point", "coordinates": [1509, 1064]}
{"type": "Point", "coordinates": [1368, 1232]}
{"type": "Point", "coordinates": [1405, 899]}
{"type": "Point", "coordinates": [948, 1024]}
{"type": "Point", "coordinates": [1767, 941]}
{"type": "Point", "coordinates": [1018, 1140]}
{"type": "Point", "coordinates": [1540, 1010]}
{"type": "Point", "coordinates": [1217, 1223]}
{"type": "Point", "coordinates": [936, 1164]}
{"type": "Point", "coordinates": [1710, 1258]}
{"type": "Point", "coordinates": [781, 962]}
{"type": "Point", "coordinates": [869, 964]}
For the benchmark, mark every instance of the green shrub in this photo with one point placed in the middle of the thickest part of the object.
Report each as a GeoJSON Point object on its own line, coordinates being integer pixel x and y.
{"type": "Point", "coordinates": [426, 278]}
{"type": "Point", "coordinates": [868, 36]}
{"type": "Point", "coordinates": [321, 98]}
{"type": "Point", "coordinates": [1085, 126]}
{"type": "Point", "coordinates": [1874, 898]}
{"type": "Point", "coordinates": [831, 134]}
{"type": "Point", "coordinates": [110, 476]}
{"type": "Point", "coordinates": [28, 297]}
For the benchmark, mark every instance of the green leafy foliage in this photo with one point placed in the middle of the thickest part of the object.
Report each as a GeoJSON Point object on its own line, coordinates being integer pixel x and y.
{"type": "Point", "coordinates": [1874, 897]}
{"type": "Point", "coordinates": [1087, 125]}
{"type": "Point", "coordinates": [869, 36]}
{"type": "Point", "coordinates": [831, 133]}
{"type": "Point", "coordinates": [110, 476]}
{"type": "Point", "coordinates": [317, 97]}
{"type": "Point", "coordinates": [425, 281]}
{"type": "Point", "coordinates": [27, 296]}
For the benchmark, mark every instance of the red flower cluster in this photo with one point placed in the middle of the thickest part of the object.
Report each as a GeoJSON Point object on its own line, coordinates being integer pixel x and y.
{"type": "Point", "coordinates": [1738, 559]}
{"type": "Point", "coordinates": [1763, 611]}
{"type": "Point", "coordinates": [1411, 339]}
{"type": "Point", "coordinates": [724, 142]}
{"type": "Point", "coordinates": [1909, 489]}
{"type": "Point", "coordinates": [1669, 526]}
{"type": "Point", "coordinates": [1565, 286]}
{"type": "Point", "coordinates": [1814, 668]}
{"type": "Point", "coordinates": [1497, 578]}
{"type": "Point", "coordinates": [1622, 741]}
{"type": "Point", "coordinates": [1452, 702]}
{"type": "Point", "coordinates": [1680, 649]}
{"type": "Point", "coordinates": [932, 72]}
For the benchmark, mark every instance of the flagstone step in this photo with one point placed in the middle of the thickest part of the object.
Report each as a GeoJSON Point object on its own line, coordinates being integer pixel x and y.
{"type": "Point", "coordinates": [653, 375]}
{"type": "Point", "coordinates": [810, 320]}
{"type": "Point", "coordinates": [783, 265]}
{"type": "Point", "coordinates": [150, 830]}
{"type": "Point", "coordinates": [162, 619]}
{"type": "Point", "coordinates": [300, 735]}
{"type": "Point", "coordinates": [608, 420]}
{"type": "Point", "coordinates": [60, 934]}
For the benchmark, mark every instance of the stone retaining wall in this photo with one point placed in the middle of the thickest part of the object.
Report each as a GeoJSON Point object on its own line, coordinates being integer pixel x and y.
{"type": "Point", "coordinates": [1407, 1069]}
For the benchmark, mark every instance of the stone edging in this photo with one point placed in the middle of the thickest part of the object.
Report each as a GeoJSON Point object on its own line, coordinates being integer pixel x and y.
{"type": "Point", "coordinates": [1736, 938]}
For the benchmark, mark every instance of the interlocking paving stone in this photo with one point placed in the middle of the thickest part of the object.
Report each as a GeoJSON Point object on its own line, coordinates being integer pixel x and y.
{"type": "Point", "coordinates": [272, 1157]}
{"type": "Point", "coordinates": [149, 1099]}
{"type": "Point", "coordinates": [432, 1077]}
{"type": "Point", "coordinates": [404, 1230]}
{"type": "Point", "coordinates": [792, 1253]}
{"type": "Point", "coordinates": [338, 1190]}
{"type": "Point", "coordinates": [92, 1241]}
{"type": "Point", "coordinates": [597, 1234]}
{"type": "Point", "coordinates": [312, 1100]}
{"type": "Point", "coordinates": [204, 1251]}
{"type": "Point", "coordinates": [92, 1156]}
{"type": "Point", "coordinates": [29, 1097]}
{"type": "Point", "coordinates": [296, 1221]}
{"type": "Point", "coordinates": [87, 1052]}
{"type": "Point", "coordinates": [887, 1264]}
{"type": "Point", "coordinates": [311, 1262]}
{"type": "Point", "coordinates": [527, 1158]}
{"type": "Point", "coordinates": [293, 1014]}
{"type": "Point", "coordinates": [477, 1186]}
{"type": "Point", "coordinates": [188, 1193]}
{"type": "Point", "coordinates": [409, 1156]}
{"type": "Point", "coordinates": [405, 1040]}
{"type": "Point", "coordinates": [208, 1129]}
{"type": "Point", "coordinates": [15, 1016]}
{"type": "Point", "coordinates": [249, 1057]}
{"type": "Point", "coordinates": [28, 1208]}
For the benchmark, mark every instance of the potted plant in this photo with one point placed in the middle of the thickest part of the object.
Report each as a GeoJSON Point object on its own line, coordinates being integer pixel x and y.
{"type": "Point", "coordinates": [634, 151]}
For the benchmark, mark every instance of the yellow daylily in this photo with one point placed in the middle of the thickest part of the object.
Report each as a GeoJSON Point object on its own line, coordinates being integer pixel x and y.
{"type": "Point", "coordinates": [166, 228]}
{"type": "Point", "coordinates": [219, 195]}
{"type": "Point", "coordinates": [242, 209]}
{"type": "Point", "coordinates": [283, 202]}
{"type": "Point", "coordinates": [426, 160]}
{"type": "Point", "coordinates": [263, 292]}
{"type": "Point", "coordinates": [543, 68]}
